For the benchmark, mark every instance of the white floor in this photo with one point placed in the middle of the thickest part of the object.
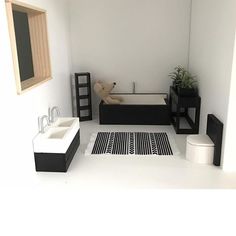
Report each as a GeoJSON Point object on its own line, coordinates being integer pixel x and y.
{"type": "Point", "coordinates": [88, 172]}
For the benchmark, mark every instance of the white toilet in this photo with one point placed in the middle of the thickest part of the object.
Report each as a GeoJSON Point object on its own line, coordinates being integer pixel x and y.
{"type": "Point", "coordinates": [200, 149]}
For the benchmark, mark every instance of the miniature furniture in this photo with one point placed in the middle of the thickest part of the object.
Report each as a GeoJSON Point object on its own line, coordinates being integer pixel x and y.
{"type": "Point", "coordinates": [55, 147]}
{"type": "Point", "coordinates": [136, 109]}
{"type": "Point", "coordinates": [200, 149]}
{"type": "Point", "coordinates": [83, 96]}
{"type": "Point", "coordinates": [182, 105]}
{"type": "Point", "coordinates": [206, 149]}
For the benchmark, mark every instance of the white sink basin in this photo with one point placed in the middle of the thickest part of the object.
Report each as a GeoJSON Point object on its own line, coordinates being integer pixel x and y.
{"type": "Point", "coordinates": [57, 137]}
{"type": "Point", "coordinates": [58, 134]}
{"type": "Point", "coordinates": [65, 122]}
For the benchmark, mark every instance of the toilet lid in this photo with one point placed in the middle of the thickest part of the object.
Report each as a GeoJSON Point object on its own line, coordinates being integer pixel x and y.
{"type": "Point", "coordinates": [200, 140]}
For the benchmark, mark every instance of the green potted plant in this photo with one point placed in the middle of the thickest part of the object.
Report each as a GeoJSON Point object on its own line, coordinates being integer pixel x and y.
{"type": "Point", "coordinates": [183, 82]}
{"type": "Point", "coordinates": [176, 76]}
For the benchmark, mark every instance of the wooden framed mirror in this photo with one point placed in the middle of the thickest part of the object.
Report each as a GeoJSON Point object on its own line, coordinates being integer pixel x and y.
{"type": "Point", "coordinates": [29, 42]}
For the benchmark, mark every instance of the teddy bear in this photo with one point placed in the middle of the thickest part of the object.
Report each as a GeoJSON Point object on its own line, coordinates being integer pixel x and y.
{"type": "Point", "coordinates": [103, 89]}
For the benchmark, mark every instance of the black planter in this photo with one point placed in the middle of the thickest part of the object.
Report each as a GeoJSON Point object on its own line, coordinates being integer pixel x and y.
{"type": "Point", "coordinates": [187, 92]}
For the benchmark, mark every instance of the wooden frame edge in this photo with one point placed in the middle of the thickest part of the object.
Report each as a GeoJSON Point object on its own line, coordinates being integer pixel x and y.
{"type": "Point", "coordinates": [26, 5]}
{"type": "Point", "coordinates": [12, 36]}
{"type": "Point", "coordinates": [35, 85]}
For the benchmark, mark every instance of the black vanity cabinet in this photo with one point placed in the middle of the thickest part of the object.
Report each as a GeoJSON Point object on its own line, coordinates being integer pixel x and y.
{"type": "Point", "coordinates": [57, 162]}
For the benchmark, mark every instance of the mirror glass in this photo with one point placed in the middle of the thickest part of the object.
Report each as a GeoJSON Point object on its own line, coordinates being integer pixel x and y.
{"type": "Point", "coordinates": [23, 44]}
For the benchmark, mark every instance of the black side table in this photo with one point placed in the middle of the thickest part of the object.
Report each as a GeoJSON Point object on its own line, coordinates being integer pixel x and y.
{"type": "Point", "coordinates": [182, 110]}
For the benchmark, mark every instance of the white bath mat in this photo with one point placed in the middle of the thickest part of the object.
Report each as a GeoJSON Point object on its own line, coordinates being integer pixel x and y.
{"type": "Point", "coordinates": [131, 143]}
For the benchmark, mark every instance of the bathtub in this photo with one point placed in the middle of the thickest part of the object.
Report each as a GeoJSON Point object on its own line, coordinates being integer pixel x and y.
{"type": "Point", "coordinates": [137, 109]}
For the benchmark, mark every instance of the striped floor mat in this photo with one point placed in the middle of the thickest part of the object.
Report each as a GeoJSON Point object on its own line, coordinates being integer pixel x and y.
{"type": "Point", "coordinates": [131, 143]}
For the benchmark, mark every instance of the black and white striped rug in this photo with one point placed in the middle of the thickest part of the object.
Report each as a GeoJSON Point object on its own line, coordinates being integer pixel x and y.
{"type": "Point", "coordinates": [130, 143]}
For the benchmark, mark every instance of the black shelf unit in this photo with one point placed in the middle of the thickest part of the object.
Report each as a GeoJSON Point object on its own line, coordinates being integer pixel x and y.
{"type": "Point", "coordinates": [83, 81]}
{"type": "Point", "coordinates": [184, 103]}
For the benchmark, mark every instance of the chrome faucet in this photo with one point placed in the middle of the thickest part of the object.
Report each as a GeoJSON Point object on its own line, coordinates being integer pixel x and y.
{"type": "Point", "coordinates": [134, 88]}
{"type": "Point", "coordinates": [51, 114]}
{"type": "Point", "coordinates": [41, 126]}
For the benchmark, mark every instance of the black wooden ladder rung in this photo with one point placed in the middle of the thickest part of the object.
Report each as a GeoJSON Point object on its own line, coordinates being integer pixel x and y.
{"type": "Point", "coordinates": [82, 108]}
{"type": "Point", "coordinates": [83, 85]}
{"type": "Point", "coordinates": [83, 96]}
{"type": "Point", "coordinates": [85, 118]}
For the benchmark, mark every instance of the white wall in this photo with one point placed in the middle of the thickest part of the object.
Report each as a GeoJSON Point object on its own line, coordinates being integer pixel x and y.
{"type": "Point", "coordinates": [129, 40]}
{"type": "Point", "coordinates": [19, 113]}
{"type": "Point", "coordinates": [230, 151]}
{"type": "Point", "coordinates": [211, 55]}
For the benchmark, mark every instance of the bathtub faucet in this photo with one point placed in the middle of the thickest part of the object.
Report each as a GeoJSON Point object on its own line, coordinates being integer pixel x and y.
{"type": "Point", "coordinates": [134, 88]}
